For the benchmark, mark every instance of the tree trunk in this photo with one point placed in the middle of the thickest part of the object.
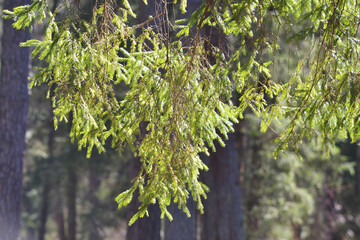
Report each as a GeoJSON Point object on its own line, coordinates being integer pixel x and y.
{"type": "Point", "coordinates": [329, 211]}
{"type": "Point", "coordinates": [147, 228]}
{"type": "Point", "coordinates": [71, 202]}
{"type": "Point", "coordinates": [296, 229]}
{"type": "Point", "coordinates": [59, 218]}
{"type": "Point", "coordinates": [44, 210]}
{"type": "Point", "coordinates": [254, 181]}
{"type": "Point", "coordinates": [94, 183]}
{"type": "Point", "coordinates": [358, 175]}
{"type": "Point", "coordinates": [223, 218]}
{"type": "Point", "coordinates": [181, 227]}
{"type": "Point", "coordinates": [316, 227]}
{"type": "Point", "coordinates": [13, 112]}
{"type": "Point", "coordinates": [49, 168]}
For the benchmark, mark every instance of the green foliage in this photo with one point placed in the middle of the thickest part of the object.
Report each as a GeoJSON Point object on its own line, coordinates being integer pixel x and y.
{"type": "Point", "coordinates": [178, 102]}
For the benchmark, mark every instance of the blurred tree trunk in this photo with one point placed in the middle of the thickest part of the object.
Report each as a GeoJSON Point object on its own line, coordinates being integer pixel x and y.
{"type": "Point", "coordinates": [71, 201]}
{"type": "Point", "coordinates": [47, 175]}
{"type": "Point", "coordinates": [358, 175]}
{"type": "Point", "coordinates": [329, 210]}
{"type": "Point", "coordinates": [296, 229]}
{"type": "Point", "coordinates": [242, 139]}
{"type": "Point", "coordinates": [59, 209]}
{"type": "Point", "coordinates": [94, 183]}
{"type": "Point", "coordinates": [317, 226]}
{"type": "Point", "coordinates": [59, 217]}
{"type": "Point", "coordinates": [254, 182]}
{"type": "Point", "coordinates": [357, 185]}
{"type": "Point", "coordinates": [13, 114]}
{"type": "Point", "coordinates": [44, 210]}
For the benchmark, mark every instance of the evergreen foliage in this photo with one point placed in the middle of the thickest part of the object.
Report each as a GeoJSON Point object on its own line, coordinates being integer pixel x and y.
{"type": "Point", "coordinates": [178, 101]}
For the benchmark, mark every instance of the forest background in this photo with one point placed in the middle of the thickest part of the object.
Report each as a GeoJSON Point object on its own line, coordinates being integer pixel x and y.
{"type": "Point", "coordinates": [308, 192]}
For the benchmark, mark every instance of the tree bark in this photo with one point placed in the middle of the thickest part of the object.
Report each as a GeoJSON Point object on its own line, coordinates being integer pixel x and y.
{"type": "Point", "coordinates": [223, 218]}
{"type": "Point", "coordinates": [71, 202]}
{"type": "Point", "coordinates": [147, 228]}
{"type": "Point", "coordinates": [181, 227]}
{"type": "Point", "coordinates": [13, 113]}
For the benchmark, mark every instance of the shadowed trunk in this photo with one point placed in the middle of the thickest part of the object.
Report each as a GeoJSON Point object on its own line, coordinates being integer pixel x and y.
{"type": "Point", "coordinates": [59, 218]}
{"type": "Point", "coordinates": [94, 183]}
{"type": "Point", "coordinates": [254, 182]}
{"type": "Point", "coordinates": [44, 210]}
{"type": "Point", "coordinates": [329, 211]}
{"type": "Point", "coordinates": [71, 202]}
{"type": "Point", "coordinates": [146, 228]}
{"type": "Point", "coordinates": [13, 113]}
{"type": "Point", "coordinates": [223, 218]}
{"type": "Point", "coordinates": [181, 227]}
{"type": "Point", "coordinates": [49, 168]}
{"type": "Point", "coordinates": [317, 225]}
{"type": "Point", "coordinates": [296, 229]}
{"type": "Point", "coordinates": [358, 175]}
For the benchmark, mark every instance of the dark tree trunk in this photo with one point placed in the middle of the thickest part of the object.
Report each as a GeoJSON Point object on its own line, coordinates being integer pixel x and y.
{"type": "Point", "coordinates": [147, 228]}
{"type": "Point", "coordinates": [13, 112]}
{"type": "Point", "coordinates": [358, 175]}
{"type": "Point", "coordinates": [59, 209]}
{"type": "Point", "coordinates": [59, 218]}
{"type": "Point", "coordinates": [94, 183]}
{"type": "Point", "coordinates": [71, 202]}
{"type": "Point", "coordinates": [316, 228]}
{"type": "Point", "coordinates": [329, 211]}
{"type": "Point", "coordinates": [357, 184]}
{"type": "Point", "coordinates": [181, 227]}
{"type": "Point", "coordinates": [296, 229]}
{"type": "Point", "coordinates": [223, 218]}
{"type": "Point", "coordinates": [44, 210]}
{"type": "Point", "coordinates": [254, 181]}
{"type": "Point", "coordinates": [47, 176]}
